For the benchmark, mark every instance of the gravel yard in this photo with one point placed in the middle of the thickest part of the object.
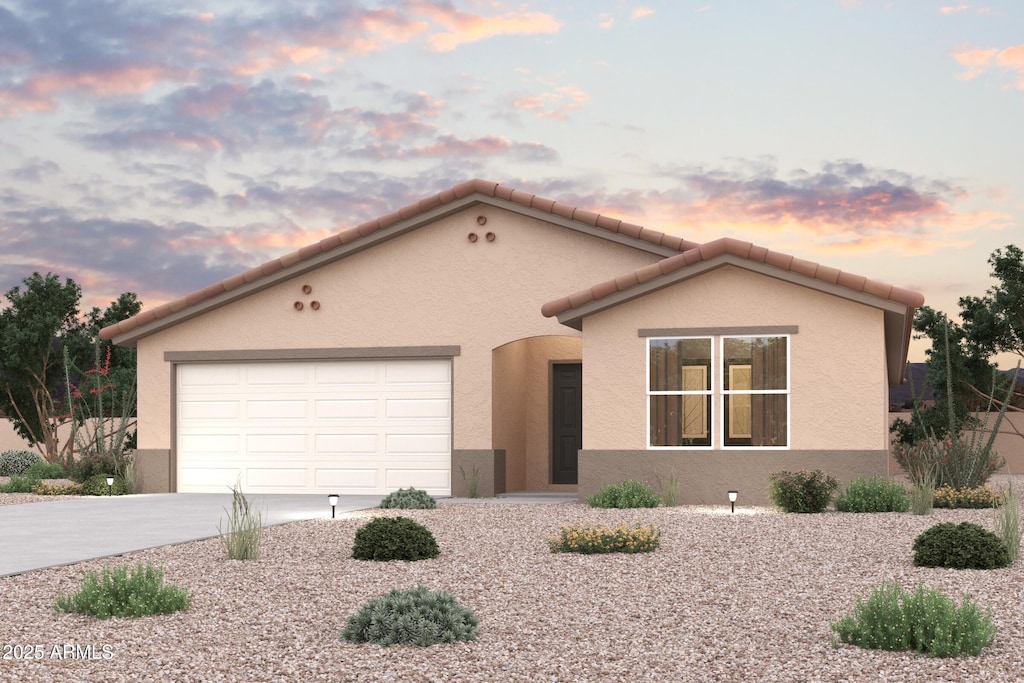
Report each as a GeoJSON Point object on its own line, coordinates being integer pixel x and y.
{"type": "Point", "coordinates": [728, 597]}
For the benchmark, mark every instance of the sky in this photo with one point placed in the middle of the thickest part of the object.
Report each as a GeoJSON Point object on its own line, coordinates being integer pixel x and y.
{"type": "Point", "coordinates": [160, 147]}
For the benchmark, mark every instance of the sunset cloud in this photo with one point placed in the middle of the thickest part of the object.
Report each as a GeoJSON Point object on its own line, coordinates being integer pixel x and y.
{"type": "Point", "coordinates": [462, 27]}
{"type": "Point", "coordinates": [980, 61]}
{"type": "Point", "coordinates": [558, 104]}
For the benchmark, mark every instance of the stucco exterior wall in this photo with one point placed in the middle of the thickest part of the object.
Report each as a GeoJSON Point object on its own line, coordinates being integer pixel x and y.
{"type": "Point", "coordinates": [429, 287]}
{"type": "Point", "coordinates": [837, 359]}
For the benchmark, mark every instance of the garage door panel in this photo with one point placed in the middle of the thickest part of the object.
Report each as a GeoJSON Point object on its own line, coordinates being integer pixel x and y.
{"type": "Point", "coordinates": [351, 409]}
{"type": "Point", "coordinates": [425, 444]}
{"type": "Point", "coordinates": [276, 410]}
{"type": "Point", "coordinates": [209, 443]}
{"type": "Point", "coordinates": [346, 427]}
{"type": "Point", "coordinates": [210, 410]}
{"type": "Point", "coordinates": [355, 480]}
{"type": "Point", "coordinates": [277, 374]}
{"type": "Point", "coordinates": [417, 408]}
{"type": "Point", "coordinates": [202, 375]}
{"type": "Point", "coordinates": [347, 444]}
{"type": "Point", "coordinates": [347, 374]}
{"type": "Point", "coordinates": [280, 478]}
{"type": "Point", "coordinates": [283, 444]}
{"type": "Point", "coordinates": [416, 372]}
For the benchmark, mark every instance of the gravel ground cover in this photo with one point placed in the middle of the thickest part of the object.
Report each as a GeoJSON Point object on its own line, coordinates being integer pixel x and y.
{"type": "Point", "coordinates": [728, 597]}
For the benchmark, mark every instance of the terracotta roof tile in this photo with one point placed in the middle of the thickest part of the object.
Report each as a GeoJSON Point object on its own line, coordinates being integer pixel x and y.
{"type": "Point", "coordinates": [563, 210]}
{"type": "Point", "coordinates": [347, 236]}
{"type": "Point", "coordinates": [588, 217]}
{"type": "Point", "coordinates": [581, 297]}
{"type": "Point", "coordinates": [744, 250]}
{"type": "Point", "coordinates": [630, 229]}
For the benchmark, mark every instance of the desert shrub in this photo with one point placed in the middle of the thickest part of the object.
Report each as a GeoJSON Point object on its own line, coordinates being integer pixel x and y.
{"type": "Point", "coordinates": [88, 466]}
{"type": "Point", "coordinates": [19, 484]}
{"type": "Point", "coordinates": [589, 540]}
{"type": "Point", "coordinates": [394, 538]}
{"type": "Point", "coordinates": [801, 491]}
{"type": "Point", "coordinates": [244, 528]}
{"type": "Point", "coordinates": [926, 621]}
{"type": "Point", "coordinates": [669, 490]}
{"type": "Point", "coordinates": [16, 462]}
{"type": "Point", "coordinates": [417, 616]}
{"type": "Point", "coordinates": [1008, 527]}
{"type": "Point", "coordinates": [959, 546]}
{"type": "Point", "coordinates": [978, 497]}
{"type": "Point", "coordinates": [96, 485]}
{"type": "Point", "coordinates": [122, 593]}
{"type": "Point", "coordinates": [631, 493]}
{"type": "Point", "coordinates": [57, 489]}
{"type": "Point", "coordinates": [872, 494]}
{"type": "Point", "coordinates": [409, 499]}
{"type": "Point", "coordinates": [45, 470]}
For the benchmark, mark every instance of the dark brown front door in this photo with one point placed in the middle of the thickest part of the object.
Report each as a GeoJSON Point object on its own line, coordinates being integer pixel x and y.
{"type": "Point", "coordinates": [566, 421]}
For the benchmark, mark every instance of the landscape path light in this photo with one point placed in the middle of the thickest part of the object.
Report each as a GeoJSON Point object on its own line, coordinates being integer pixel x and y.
{"type": "Point", "coordinates": [733, 495]}
{"type": "Point", "coordinates": [110, 485]}
{"type": "Point", "coordinates": [332, 499]}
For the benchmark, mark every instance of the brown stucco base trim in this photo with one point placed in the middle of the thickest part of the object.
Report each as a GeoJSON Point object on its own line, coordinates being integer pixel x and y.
{"type": "Point", "coordinates": [490, 468]}
{"type": "Point", "coordinates": [705, 476]}
{"type": "Point", "coordinates": [152, 470]}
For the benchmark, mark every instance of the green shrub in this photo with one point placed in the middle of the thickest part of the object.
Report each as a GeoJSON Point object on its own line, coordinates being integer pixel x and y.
{"type": "Point", "coordinates": [394, 538]}
{"type": "Point", "coordinates": [88, 466]}
{"type": "Point", "coordinates": [245, 528]}
{"type": "Point", "coordinates": [960, 546]}
{"type": "Point", "coordinates": [1008, 527]}
{"type": "Point", "coordinates": [19, 484]}
{"type": "Point", "coordinates": [16, 462]}
{"type": "Point", "coordinates": [628, 494]}
{"type": "Point", "coordinates": [872, 494]}
{"type": "Point", "coordinates": [409, 499]}
{"type": "Point", "coordinates": [926, 621]}
{"type": "Point", "coordinates": [45, 470]}
{"type": "Point", "coordinates": [121, 593]}
{"type": "Point", "coordinates": [977, 497]}
{"type": "Point", "coordinates": [801, 491]}
{"type": "Point", "coordinates": [589, 540]}
{"type": "Point", "coordinates": [417, 616]}
{"type": "Point", "coordinates": [96, 485]}
{"type": "Point", "coordinates": [57, 490]}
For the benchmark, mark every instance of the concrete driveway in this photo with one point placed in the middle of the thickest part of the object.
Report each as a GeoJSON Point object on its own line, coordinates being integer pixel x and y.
{"type": "Point", "coordinates": [59, 532]}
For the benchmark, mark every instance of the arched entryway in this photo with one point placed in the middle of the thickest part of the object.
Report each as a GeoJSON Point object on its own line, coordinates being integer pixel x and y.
{"type": "Point", "coordinates": [537, 411]}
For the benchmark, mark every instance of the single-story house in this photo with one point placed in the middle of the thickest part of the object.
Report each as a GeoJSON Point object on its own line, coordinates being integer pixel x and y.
{"type": "Point", "coordinates": [485, 334]}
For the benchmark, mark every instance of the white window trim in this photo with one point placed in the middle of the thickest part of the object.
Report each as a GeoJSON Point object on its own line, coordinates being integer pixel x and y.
{"type": "Point", "coordinates": [728, 392]}
{"type": "Point", "coordinates": [710, 392]}
{"type": "Point", "coordinates": [717, 404]}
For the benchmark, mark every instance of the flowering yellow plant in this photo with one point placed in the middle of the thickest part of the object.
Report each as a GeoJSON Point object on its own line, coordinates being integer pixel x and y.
{"type": "Point", "coordinates": [977, 497]}
{"type": "Point", "coordinates": [588, 540]}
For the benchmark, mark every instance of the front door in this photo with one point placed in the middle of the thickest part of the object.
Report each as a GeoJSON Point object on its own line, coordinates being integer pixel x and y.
{"type": "Point", "coordinates": [566, 421]}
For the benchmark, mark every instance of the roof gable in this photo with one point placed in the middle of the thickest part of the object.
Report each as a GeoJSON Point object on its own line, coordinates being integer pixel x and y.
{"type": "Point", "coordinates": [371, 233]}
{"type": "Point", "coordinates": [897, 303]}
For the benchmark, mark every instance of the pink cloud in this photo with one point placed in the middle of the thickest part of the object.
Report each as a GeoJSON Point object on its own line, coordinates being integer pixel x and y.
{"type": "Point", "coordinates": [980, 61]}
{"type": "Point", "coordinates": [469, 28]}
{"type": "Point", "coordinates": [641, 12]}
{"type": "Point", "coordinates": [558, 103]}
{"type": "Point", "coordinates": [39, 92]}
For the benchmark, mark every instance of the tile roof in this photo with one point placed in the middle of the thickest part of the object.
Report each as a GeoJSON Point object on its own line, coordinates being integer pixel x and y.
{"type": "Point", "coordinates": [362, 231]}
{"type": "Point", "coordinates": [743, 250]}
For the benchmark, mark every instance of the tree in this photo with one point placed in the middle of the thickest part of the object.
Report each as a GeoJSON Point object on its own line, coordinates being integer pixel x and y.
{"type": "Point", "coordinates": [991, 324]}
{"type": "Point", "coordinates": [40, 323]}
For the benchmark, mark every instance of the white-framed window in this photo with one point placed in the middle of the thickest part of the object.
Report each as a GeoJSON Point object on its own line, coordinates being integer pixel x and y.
{"type": "Point", "coordinates": [696, 401]}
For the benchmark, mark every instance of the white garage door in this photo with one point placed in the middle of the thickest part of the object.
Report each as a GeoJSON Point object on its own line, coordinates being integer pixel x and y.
{"type": "Point", "coordinates": [348, 427]}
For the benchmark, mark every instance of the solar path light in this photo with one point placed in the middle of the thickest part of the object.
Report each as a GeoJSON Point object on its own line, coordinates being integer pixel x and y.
{"type": "Point", "coordinates": [732, 500]}
{"type": "Point", "coordinates": [332, 500]}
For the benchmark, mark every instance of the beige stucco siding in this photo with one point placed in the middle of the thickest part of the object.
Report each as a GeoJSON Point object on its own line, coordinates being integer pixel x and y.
{"type": "Point", "coordinates": [429, 287]}
{"type": "Point", "coordinates": [837, 359]}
